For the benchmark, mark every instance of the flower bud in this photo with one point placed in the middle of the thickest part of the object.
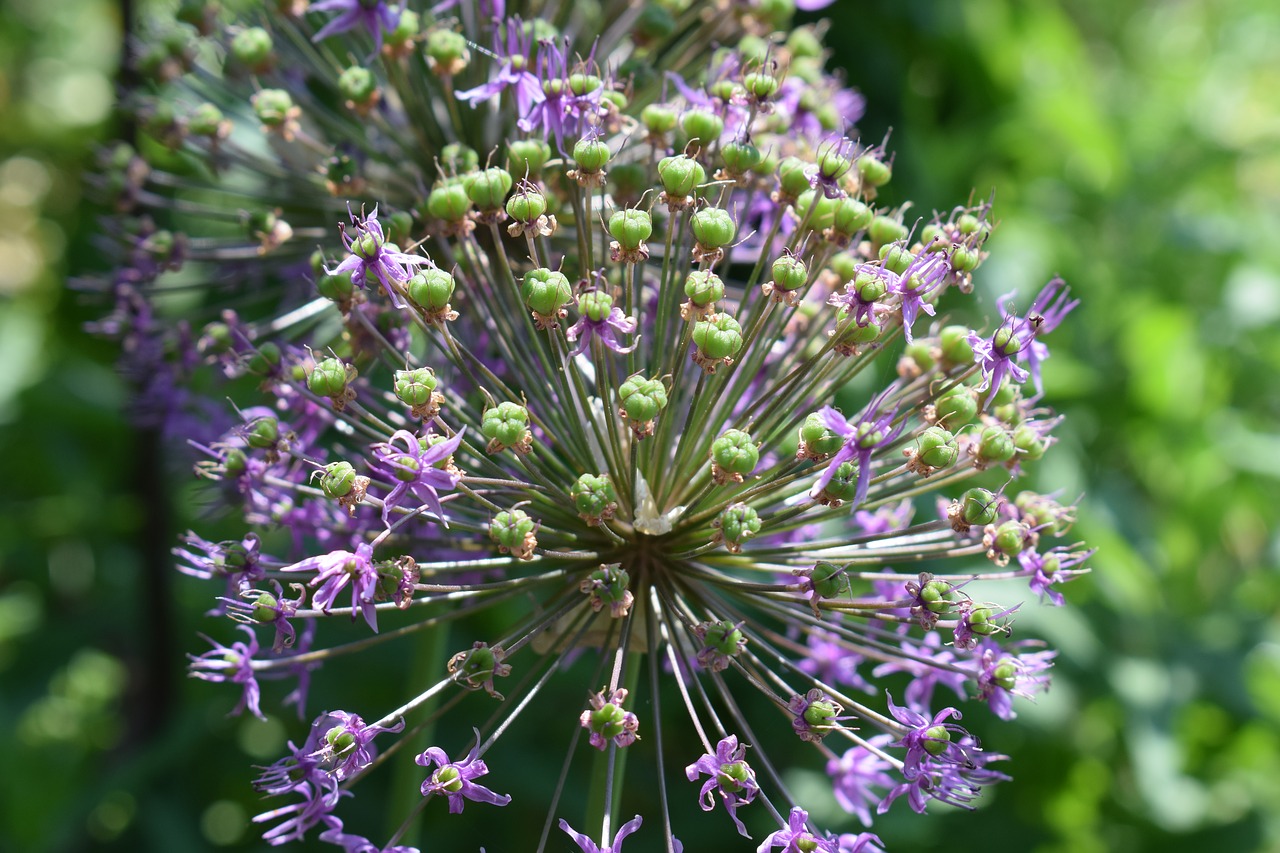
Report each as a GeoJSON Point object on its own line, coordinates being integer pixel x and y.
{"type": "Point", "coordinates": [736, 524]}
{"type": "Point", "coordinates": [594, 498]}
{"type": "Point", "coordinates": [513, 531]}
{"type": "Point", "coordinates": [488, 189]}
{"type": "Point", "coordinates": [733, 455]}
{"type": "Point", "coordinates": [507, 425]}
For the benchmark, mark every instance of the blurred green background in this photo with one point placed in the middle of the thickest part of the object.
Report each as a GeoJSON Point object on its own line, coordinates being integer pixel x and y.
{"type": "Point", "coordinates": [1134, 148]}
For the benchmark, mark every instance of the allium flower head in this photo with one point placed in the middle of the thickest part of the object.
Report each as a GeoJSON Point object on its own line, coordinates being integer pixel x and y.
{"type": "Point", "coordinates": [591, 382]}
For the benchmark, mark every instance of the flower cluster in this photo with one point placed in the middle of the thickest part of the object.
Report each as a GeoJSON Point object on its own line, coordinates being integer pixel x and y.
{"type": "Point", "coordinates": [602, 358]}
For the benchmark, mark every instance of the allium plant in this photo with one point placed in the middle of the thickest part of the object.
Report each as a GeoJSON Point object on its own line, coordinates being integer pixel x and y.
{"type": "Point", "coordinates": [603, 310]}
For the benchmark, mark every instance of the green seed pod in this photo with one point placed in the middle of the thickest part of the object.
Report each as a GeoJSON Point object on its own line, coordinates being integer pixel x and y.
{"type": "Point", "coordinates": [994, 446]}
{"type": "Point", "coordinates": [507, 425]}
{"type": "Point", "coordinates": [415, 387]}
{"type": "Point", "coordinates": [273, 107]}
{"type": "Point", "coordinates": [252, 48]}
{"type": "Point", "coordinates": [954, 342]}
{"type": "Point", "coordinates": [207, 120]}
{"type": "Point", "coordinates": [641, 400]}
{"type": "Point", "coordinates": [1010, 539]}
{"type": "Point", "coordinates": [358, 86]}
{"type": "Point", "coordinates": [937, 596]}
{"type": "Point", "coordinates": [713, 227]}
{"type": "Point", "coordinates": [937, 448]}
{"type": "Point", "coordinates": [431, 290]}
{"type": "Point", "coordinates": [793, 178]}
{"type": "Point", "coordinates": [789, 273]}
{"type": "Point", "coordinates": [337, 480]}
{"type": "Point", "coordinates": [546, 293]}
{"type": "Point", "coordinates": [895, 258]}
{"type": "Point", "coordinates": [844, 265]}
{"type": "Point", "coordinates": [965, 259]}
{"type": "Point", "coordinates": [629, 181]}
{"type": "Point", "coordinates": [828, 580]}
{"type": "Point", "coordinates": [458, 159]}
{"type": "Point", "coordinates": [979, 507]}
{"type": "Point", "coordinates": [722, 641]}
{"type": "Point", "coordinates": [654, 24]}
{"type": "Point", "coordinates": [874, 171]}
{"type": "Point", "coordinates": [607, 585]}
{"type": "Point", "coordinates": [704, 288]}
{"type": "Point", "coordinates": [734, 455]}
{"type": "Point", "coordinates": [263, 433]}
{"type": "Point", "coordinates": [336, 287]}
{"type": "Point", "coordinates": [886, 229]}
{"type": "Point", "coordinates": [526, 204]}
{"type": "Point", "coordinates": [593, 498]}
{"type": "Point", "coordinates": [513, 531]}
{"type": "Point", "coordinates": [680, 175]}
{"type": "Point", "coordinates": [760, 85]}
{"type": "Point", "coordinates": [817, 208]}
{"type": "Point", "coordinates": [658, 119]}
{"type": "Point", "coordinates": [329, 378]}
{"type": "Point", "coordinates": [1005, 674]}
{"type": "Point", "coordinates": [449, 201]}
{"type": "Point", "coordinates": [821, 717]}
{"type": "Point", "coordinates": [718, 337]}
{"type": "Point", "coordinates": [488, 189]}
{"type": "Point", "coordinates": [265, 361]}
{"type": "Point", "coordinates": [850, 217]}
{"type": "Point", "coordinates": [630, 228]}
{"type": "Point", "coordinates": [849, 336]}
{"type": "Point", "coordinates": [980, 622]}
{"type": "Point", "coordinates": [1029, 442]}
{"type": "Point", "coordinates": [920, 354]}
{"type": "Point", "coordinates": [476, 667]}
{"type": "Point", "coordinates": [446, 52]}
{"type": "Point", "coordinates": [936, 740]}
{"type": "Point", "coordinates": [870, 287]}
{"type": "Point", "coordinates": [596, 304]}
{"type": "Point", "coordinates": [526, 157]}
{"type": "Point", "coordinates": [235, 463]}
{"type": "Point", "coordinates": [832, 165]}
{"type": "Point", "coordinates": [957, 407]}
{"type": "Point", "coordinates": [817, 441]}
{"type": "Point", "coordinates": [702, 125]}
{"type": "Point", "coordinates": [967, 223]}
{"type": "Point", "coordinates": [736, 524]}
{"type": "Point", "coordinates": [739, 157]}
{"type": "Point", "coordinates": [590, 155]}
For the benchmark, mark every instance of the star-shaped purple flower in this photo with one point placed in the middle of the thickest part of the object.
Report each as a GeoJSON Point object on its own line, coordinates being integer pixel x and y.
{"type": "Point", "coordinates": [232, 663]}
{"type": "Point", "coordinates": [376, 16]}
{"type": "Point", "coordinates": [370, 255]}
{"type": "Point", "coordinates": [589, 846]}
{"type": "Point", "coordinates": [337, 569]}
{"type": "Point", "coordinates": [796, 838]}
{"type": "Point", "coordinates": [1014, 339]}
{"type": "Point", "coordinates": [514, 72]}
{"type": "Point", "coordinates": [862, 438]}
{"type": "Point", "coordinates": [731, 778]}
{"type": "Point", "coordinates": [413, 467]}
{"type": "Point", "coordinates": [452, 779]}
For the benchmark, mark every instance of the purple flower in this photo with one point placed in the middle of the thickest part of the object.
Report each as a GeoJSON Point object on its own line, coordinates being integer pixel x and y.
{"type": "Point", "coordinates": [832, 662]}
{"type": "Point", "coordinates": [1015, 339]}
{"type": "Point", "coordinates": [374, 15]}
{"type": "Point", "coordinates": [965, 637]}
{"type": "Point", "coordinates": [605, 329]}
{"type": "Point", "coordinates": [796, 838]}
{"type": "Point", "coordinates": [1050, 568]}
{"type": "Point", "coordinates": [356, 843]}
{"type": "Point", "coordinates": [921, 277]}
{"type": "Point", "coordinates": [1002, 675]}
{"type": "Point", "coordinates": [854, 773]}
{"type": "Point", "coordinates": [239, 562]}
{"type": "Point", "coordinates": [514, 72]}
{"type": "Point", "coordinates": [370, 254]}
{"type": "Point", "coordinates": [232, 663]}
{"type": "Point", "coordinates": [346, 745]}
{"type": "Point", "coordinates": [862, 438]}
{"type": "Point", "coordinates": [815, 715]}
{"type": "Point", "coordinates": [929, 741]}
{"type": "Point", "coordinates": [863, 842]}
{"type": "Point", "coordinates": [260, 607]}
{"type": "Point", "coordinates": [415, 470]}
{"type": "Point", "coordinates": [334, 571]}
{"type": "Point", "coordinates": [929, 665]}
{"type": "Point", "coordinates": [453, 778]}
{"type": "Point", "coordinates": [589, 846]}
{"type": "Point", "coordinates": [731, 777]}
{"type": "Point", "coordinates": [301, 773]}
{"type": "Point", "coordinates": [954, 784]}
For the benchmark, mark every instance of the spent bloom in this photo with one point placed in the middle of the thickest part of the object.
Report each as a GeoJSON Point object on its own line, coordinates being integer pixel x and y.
{"type": "Point", "coordinates": [653, 511]}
